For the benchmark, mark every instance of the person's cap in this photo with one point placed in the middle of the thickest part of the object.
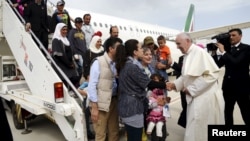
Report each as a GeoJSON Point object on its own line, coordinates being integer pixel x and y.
{"type": "Point", "coordinates": [148, 40]}
{"type": "Point", "coordinates": [60, 3]}
{"type": "Point", "coordinates": [78, 20]}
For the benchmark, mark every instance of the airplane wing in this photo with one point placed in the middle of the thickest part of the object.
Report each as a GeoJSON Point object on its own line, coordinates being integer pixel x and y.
{"type": "Point", "coordinates": [204, 34]}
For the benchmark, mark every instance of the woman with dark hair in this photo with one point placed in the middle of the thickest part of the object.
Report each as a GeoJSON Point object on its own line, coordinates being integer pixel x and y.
{"type": "Point", "coordinates": [133, 82]}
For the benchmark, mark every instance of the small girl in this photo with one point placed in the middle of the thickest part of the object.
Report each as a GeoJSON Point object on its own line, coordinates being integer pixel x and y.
{"type": "Point", "coordinates": [157, 100]}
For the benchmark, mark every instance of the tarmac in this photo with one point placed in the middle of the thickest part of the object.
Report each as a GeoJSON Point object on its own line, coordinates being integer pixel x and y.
{"type": "Point", "coordinates": [45, 130]}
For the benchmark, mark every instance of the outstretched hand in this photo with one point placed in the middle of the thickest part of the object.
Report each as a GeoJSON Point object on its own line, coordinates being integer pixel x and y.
{"type": "Point", "coordinates": [170, 86]}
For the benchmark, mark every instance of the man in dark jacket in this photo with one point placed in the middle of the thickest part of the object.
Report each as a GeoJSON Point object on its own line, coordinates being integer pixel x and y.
{"type": "Point", "coordinates": [236, 80]}
{"type": "Point", "coordinates": [37, 20]}
{"type": "Point", "coordinates": [177, 69]}
{"type": "Point", "coordinates": [78, 44]}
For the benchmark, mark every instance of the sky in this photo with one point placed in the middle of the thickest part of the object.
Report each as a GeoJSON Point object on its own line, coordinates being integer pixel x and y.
{"type": "Point", "coordinates": [172, 13]}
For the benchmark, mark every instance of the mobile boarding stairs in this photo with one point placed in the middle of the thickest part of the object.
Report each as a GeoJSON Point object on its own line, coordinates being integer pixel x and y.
{"type": "Point", "coordinates": [36, 93]}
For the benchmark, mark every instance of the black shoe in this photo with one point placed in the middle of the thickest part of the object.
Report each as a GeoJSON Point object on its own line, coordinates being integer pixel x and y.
{"type": "Point", "coordinates": [91, 136]}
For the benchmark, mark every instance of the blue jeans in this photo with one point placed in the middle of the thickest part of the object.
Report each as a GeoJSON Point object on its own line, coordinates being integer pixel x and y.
{"type": "Point", "coordinates": [163, 72]}
{"type": "Point", "coordinates": [79, 65]}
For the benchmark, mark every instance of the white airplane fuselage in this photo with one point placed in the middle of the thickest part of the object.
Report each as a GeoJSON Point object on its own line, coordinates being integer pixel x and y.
{"type": "Point", "coordinates": [128, 29]}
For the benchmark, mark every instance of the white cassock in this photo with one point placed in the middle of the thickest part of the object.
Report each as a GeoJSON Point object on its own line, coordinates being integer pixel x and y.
{"type": "Point", "coordinates": [205, 106]}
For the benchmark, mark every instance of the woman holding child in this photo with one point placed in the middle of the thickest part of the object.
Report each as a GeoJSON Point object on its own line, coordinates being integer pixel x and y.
{"type": "Point", "coordinates": [133, 82]}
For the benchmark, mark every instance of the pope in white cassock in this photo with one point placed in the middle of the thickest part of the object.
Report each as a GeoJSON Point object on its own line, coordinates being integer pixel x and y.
{"type": "Point", "coordinates": [199, 80]}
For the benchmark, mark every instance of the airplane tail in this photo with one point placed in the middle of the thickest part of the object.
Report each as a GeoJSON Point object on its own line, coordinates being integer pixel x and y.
{"type": "Point", "coordinates": [189, 24]}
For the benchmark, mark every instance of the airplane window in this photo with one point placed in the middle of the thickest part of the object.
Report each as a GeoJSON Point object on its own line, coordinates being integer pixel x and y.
{"type": "Point", "coordinates": [144, 30]}
{"type": "Point", "coordinates": [121, 27]}
{"type": "Point", "coordinates": [137, 30]}
{"type": "Point", "coordinates": [95, 24]}
{"type": "Point", "coordinates": [106, 25]}
{"type": "Point", "coordinates": [100, 24]}
{"type": "Point", "coordinates": [141, 30]}
{"type": "Point", "coordinates": [147, 31]}
{"type": "Point", "coordinates": [125, 28]}
{"type": "Point", "coordinates": [131, 28]}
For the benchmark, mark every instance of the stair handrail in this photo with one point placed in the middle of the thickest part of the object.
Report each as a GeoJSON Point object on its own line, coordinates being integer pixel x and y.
{"type": "Point", "coordinates": [49, 57]}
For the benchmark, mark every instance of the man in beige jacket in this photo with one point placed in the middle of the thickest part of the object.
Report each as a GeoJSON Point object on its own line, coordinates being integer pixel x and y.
{"type": "Point", "coordinates": [102, 92]}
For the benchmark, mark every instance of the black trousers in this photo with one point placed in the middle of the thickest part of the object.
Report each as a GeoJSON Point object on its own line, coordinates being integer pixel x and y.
{"type": "Point", "coordinates": [164, 134]}
{"type": "Point", "coordinates": [5, 133]}
{"type": "Point", "coordinates": [43, 36]}
{"type": "Point", "coordinates": [87, 118]}
{"type": "Point", "coordinates": [133, 133]}
{"type": "Point", "coordinates": [243, 100]}
{"type": "Point", "coordinates": [182, 121]}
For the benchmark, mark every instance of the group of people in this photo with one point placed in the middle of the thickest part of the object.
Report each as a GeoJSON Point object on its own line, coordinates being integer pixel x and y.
{"type": "Point", "coordinates": [127, 81]}
{"type": "Point", "coordinates": [204, 102]}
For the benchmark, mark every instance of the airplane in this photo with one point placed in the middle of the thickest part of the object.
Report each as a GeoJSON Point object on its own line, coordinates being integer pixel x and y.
{"type": "Point", "coordinates": [129, 29]}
